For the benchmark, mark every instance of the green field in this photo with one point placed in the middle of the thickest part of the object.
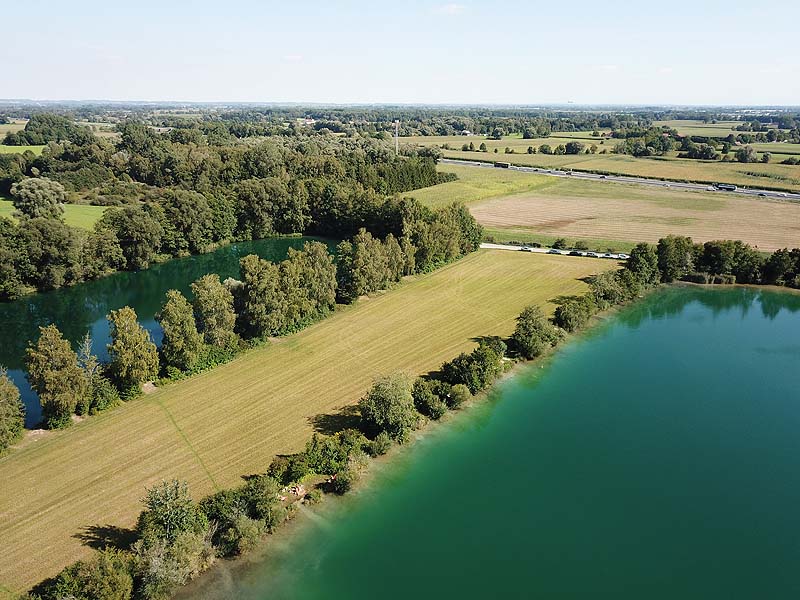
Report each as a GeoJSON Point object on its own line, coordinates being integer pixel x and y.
{"type": "Point", "coordinates": [37, 150]}
{"type": "Point", "coordinates": [231, 421]}
{"type": "Point", "coordinates": [720, 129]}
{"type": "Point", "coordinates": [76, 215]}
{"type": "Point", "coordinates": [524, 207]}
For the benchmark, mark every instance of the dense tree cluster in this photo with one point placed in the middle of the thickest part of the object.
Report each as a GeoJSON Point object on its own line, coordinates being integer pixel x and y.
{"type": "Point", "coordinates": [42, 128]}
{"type": "Point", "coordinates": [173, 195]}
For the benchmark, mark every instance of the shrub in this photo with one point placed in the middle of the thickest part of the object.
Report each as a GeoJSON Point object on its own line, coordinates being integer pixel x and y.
{"type": "Point", "coordinates": [344, 480]}
{"type": "Point", "coordinates": [478, 369]}
{"type": "Point", "coordinates": [425, 401]}
{"type": "Point", "coordinates": [458, 395]}
{"type": "Point", "coordinates": [380, 445]}
{"type": "Point", "coordinates": [106, 576]}
{"type": "Point", "coordinates": [389, 407]}
{"type": "Point", "coordinates": [534, 333]}
{"type": "Point", "coordinates": [170, 511]}
{"type": "Point", "coordinates": [162, 566]}
{"type": "Point", "coordinates": [104, 395]}
{"type": "Point", "coordinates": [573, 313]}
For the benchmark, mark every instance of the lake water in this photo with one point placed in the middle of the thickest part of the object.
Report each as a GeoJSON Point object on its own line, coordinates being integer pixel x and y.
{"type": "Point", "coordinates": [84, 307]}
{"type": "Point", "coordinates": [657, 457]}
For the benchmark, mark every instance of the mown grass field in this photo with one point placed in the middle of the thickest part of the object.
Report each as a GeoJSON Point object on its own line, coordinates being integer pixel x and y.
{"type": "Point", "coordinates": [76, 215]}
{"type": "Point", "coordinates": [719, 129]}
{"type": "Point", "coordinates": [607, 214]}
{"type": "Point", "coordinates": [13, 127]}
{"type": "Point", "coordinates": [754, 175]}
{"type": "Point", "coordinates": [37, 150]}
{"type": "Point", "coordinates": [212, 429]}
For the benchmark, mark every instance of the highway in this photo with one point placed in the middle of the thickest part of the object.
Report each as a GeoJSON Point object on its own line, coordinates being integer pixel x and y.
{"type": "Point", "coordinates": [625, 179]}
{"type": "Point", "coordinates": [554, 251]}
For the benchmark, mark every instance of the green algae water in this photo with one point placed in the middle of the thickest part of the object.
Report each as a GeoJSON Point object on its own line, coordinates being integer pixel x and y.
{"type": "Point", "coordinates": [81, 308]}
{"type": "Point", "coordinates": [657, 457]}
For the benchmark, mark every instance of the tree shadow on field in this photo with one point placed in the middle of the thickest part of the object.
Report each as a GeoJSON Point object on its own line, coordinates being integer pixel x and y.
{"type": "Point", "coordinates": [563, 299]}
{"type": "Point", "coordinates": [101, 537]}
{"type": "Point", "coordinates": [348, 417]}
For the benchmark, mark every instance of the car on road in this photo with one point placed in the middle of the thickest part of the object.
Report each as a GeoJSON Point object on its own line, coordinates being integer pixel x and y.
{"type": "Point", "coordinates": [526, 249]}
{"type": "Point", "coordinates": [553, 251]}
{"type": "Point", "coordinates": [576, 253]}
{"type": "Point", "coordinates": [762, 194]}
{"type": "Point", "coordinates": [623, 256]}
{"type": "Point", "coordinates": [593, 254]}
{"type": "Point", "coordinates": [711, 188]}
{"type": "Point", "coordinates": [603, 176]}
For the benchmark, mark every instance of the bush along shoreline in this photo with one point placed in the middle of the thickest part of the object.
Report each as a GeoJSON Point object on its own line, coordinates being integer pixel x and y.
{"type": "Point", "coordinates": [177, 538]}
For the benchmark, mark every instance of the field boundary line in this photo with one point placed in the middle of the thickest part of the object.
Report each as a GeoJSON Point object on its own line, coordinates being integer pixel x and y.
{"type": "Point", "coordinates": [188, 443]}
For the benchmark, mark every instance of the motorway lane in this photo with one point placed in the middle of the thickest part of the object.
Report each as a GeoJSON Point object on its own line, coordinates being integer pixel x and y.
{"type": "Point", "coordinates": [625, 179]}
{"type": "Point", "coordinates": [554, 251]}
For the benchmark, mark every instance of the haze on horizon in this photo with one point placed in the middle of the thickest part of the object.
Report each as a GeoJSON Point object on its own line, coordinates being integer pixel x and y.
{"type": "Point", "coordinates": [415, 52]}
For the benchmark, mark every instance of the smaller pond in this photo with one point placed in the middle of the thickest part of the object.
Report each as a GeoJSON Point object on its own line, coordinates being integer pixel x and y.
{"type": "Point", "coordinates": [84, 307]}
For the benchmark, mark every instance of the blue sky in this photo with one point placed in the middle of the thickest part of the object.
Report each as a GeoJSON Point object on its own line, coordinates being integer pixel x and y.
{"type": "Point", "coordinates": [681, 52]}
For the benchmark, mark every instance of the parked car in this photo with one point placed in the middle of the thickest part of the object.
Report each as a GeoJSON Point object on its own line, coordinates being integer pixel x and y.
{"type": "Point", "coordinates": [575, 253]}
{"type": "Point", "coordinates": [592, 254]}
{"type": "Point", "coordinates": [526, 249]}
{"type": "Point", "coordinates": [553, 251]}
{"type": "Point", "coordinates": [623, 256]}
{"type": "Point", "coordinates": [607, 255]}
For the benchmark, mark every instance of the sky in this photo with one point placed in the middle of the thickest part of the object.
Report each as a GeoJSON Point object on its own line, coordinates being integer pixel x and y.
{"type": "Point", "coordinates": [700, 52]}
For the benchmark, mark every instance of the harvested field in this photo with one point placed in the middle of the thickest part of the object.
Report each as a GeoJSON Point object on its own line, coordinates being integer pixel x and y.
{"type": "Point", "coordinates": [767, 224]}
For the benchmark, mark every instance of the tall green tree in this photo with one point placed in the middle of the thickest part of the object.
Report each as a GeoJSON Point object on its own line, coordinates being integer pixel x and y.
{"type": "Point", "coordinates": [675, 257]}
{"type": "Point", "coordinates": [39, 197]}
{"type": "Point", "coordinates": [139, 232]}
{"type": "Point", "coordinates": [263, 299]}
{"type": "Point", "coordinates": [533, 333]}
{"type": "Point", "coordinates": [134, 357]}
{"type": "Point", "coordinates": [213, 309]}
{"type": "Point", "coordinates": [56, 376]}
{"type": "Point", "coordinates": [12, 412]}
{"type": "Point", "coordinates": [182, 343]}
{"type": "Point", "coordinates": [389, 407]}
{"type": "Point", "coordinates": [643, 263]}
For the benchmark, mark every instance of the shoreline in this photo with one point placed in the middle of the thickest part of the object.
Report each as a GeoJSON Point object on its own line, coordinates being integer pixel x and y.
{"type": "Point", "coordinates": [216, 582]}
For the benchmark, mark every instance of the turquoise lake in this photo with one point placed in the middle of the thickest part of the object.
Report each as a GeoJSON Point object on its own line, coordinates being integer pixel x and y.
{"type": "Point", "coordinates": [656, 457]}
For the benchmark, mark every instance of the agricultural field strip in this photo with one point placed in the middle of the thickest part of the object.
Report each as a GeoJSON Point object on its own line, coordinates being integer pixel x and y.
{"type": "Point", "coordinates": [212, 429]}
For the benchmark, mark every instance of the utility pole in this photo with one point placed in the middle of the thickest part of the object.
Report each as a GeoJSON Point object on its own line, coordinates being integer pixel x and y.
{"type": "Point", "coordinates": [396, 137]}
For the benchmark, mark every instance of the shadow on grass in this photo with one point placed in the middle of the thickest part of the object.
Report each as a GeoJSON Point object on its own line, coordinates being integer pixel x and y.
{"type": "Point", "coordinates": [101, 537]}
{"type": "Point", "coordinates": [347, 418]}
